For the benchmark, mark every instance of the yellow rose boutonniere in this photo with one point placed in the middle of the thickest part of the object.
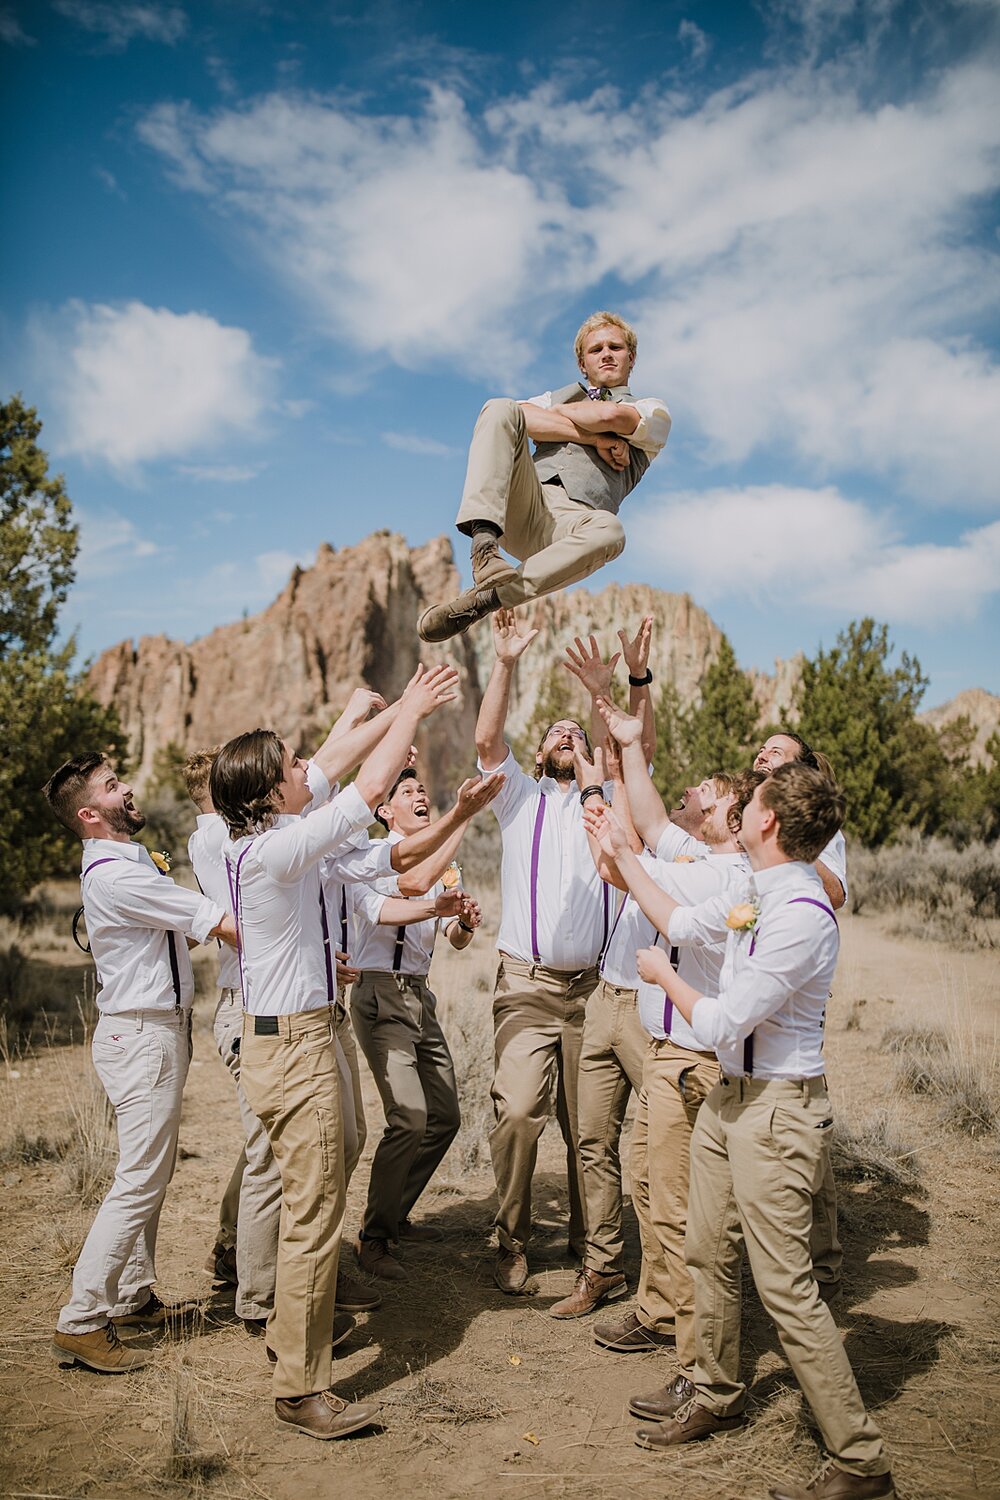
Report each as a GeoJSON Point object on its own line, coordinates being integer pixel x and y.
{"type": "Point", "coordinates": [452, 877]}
{"type": "Point", "coordinates": [684, 859]}
{"type": "Point", "coordinates": [743, 917]}
{"type": "Point", "coordinates": [161, 859]}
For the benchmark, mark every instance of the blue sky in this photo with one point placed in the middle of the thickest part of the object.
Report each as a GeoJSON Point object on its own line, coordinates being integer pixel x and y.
{"type": "Point", "coordinates": [262, 263]}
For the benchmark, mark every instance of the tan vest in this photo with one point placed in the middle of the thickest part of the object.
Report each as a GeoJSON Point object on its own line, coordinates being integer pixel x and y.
{"type": "Point", "coordinates": [583, 475]}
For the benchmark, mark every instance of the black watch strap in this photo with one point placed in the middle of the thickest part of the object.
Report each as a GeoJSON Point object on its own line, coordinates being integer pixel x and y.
{"type": "Point", "coordinates": [641, 681]}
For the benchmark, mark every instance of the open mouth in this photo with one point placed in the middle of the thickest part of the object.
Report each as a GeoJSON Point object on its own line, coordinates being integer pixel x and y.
{"type": "Point", "coordinates": [421, 810]}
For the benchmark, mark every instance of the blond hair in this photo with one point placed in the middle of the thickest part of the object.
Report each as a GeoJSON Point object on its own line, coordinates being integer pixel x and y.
{"type": "Point", "coordinates": [196, 770]}
{"type": "Point", "coordinates": [604, 320]}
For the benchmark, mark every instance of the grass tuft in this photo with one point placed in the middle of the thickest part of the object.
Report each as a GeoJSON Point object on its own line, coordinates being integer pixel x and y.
{"type": "Point", "coordinates": [875, 1153]}
{"type": "Point", "coordinates": [955, 1076]}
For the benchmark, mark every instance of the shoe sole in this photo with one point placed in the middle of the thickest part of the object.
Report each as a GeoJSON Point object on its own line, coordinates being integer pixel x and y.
{"type": "Point", "coordinates": [720, 1432]}
{"type": "Point", "coordinates": [70, 1360]}
{"type": "Point", "coordinates": [326, 1437]}
{"type": "Point", "coordinates": [443, 633]}
{"type": "Point", "coordinates": [623, 1348]}
{"type": "Point", "coordinates": [360, 1307]}
{"type": "Point", "coordinates": [619, 1291]}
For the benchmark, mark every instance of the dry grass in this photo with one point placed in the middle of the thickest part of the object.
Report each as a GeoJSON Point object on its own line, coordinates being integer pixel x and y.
{"type": "Point", "coordinates": [932, 889]}
{"type": "Point", "coordinates": [874, 1151]}
{"type": "Point", "coordinates": [427, 1399]}
{"type": "Point", "coordinates": [187, 1456]}
{"type": "Point", "coordinates": [951, 1070]}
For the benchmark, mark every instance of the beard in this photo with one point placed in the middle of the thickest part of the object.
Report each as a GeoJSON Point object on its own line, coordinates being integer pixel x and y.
{"type": "Point", "coordinates": [561, 769]}
{"type": "Point", "coordinates": [125, 819]}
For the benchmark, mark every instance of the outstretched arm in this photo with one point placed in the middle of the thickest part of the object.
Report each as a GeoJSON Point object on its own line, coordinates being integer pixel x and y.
{"type": "Point", "coordinates": [424, 856]}
{"type": "Point", "coordinates": [640, 700]}
{"type": "Point", "coordinates": [510, 644]}
{"type": "Point", "coordinates": [609, 833]}
{"type": "Point", "coordinates": [424, 693]}
{"type": "Point", "coordinates": [648, 812]}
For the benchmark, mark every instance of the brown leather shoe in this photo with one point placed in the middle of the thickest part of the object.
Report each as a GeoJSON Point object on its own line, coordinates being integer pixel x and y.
{"type": "Point", "coordinates": [418, 1232]}
{"type": "Point", "coordinates": [591, 1289]}
{"type": "Point", "coordinates": [829, 1291]}
{"type": "Point", "coordinates": [221, 1264]}
{"type": "Point", "coordinates": [832, 1483]}
{"type": "Point", "coordinates": [630, 1337]}
{"type": "Point", "coordinates": [376, 1259]}
{"type": "Point", "coordinates": [510, 1271]}
{"type": "Point", "coordinates": [689, 1424]}
{"type": "Point", "coordinates": [156, 1314]}
{"type": "Point", "coordinates": [489, 567]}
{"type": "Point", "coordinates": [354, 1297]}
{"type": "Point", "coordinates": [659, 1405]}
{"type": "Point", "coordinates": [441, 621]}
{"type": "Point", "coordinates": [101, 1350]}
{"type": "Point", "coordinates": [323, 1415]}
{"type": "Point", "coordinates": [343, 1326]}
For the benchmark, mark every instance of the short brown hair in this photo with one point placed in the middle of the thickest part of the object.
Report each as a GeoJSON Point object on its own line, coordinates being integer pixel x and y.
{"type": "Point", "coordinates": [68, 789]}
{"type": "Point", "coordinates": [603, 320]}
{"type": "Point", "coordinates": [744, 786]}
{"type": "Point", "coordinates": [809, 808]}
{"type": "Point", "coordinates": [245, 776]}
{"type": "Point", "coordinates": [196, 771]}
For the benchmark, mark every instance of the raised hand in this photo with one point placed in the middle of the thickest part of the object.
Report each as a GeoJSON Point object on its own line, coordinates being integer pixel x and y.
{"type": "Point", "coordinates": [636, 650]}
{"type": "Point", "coordinates": [653, 965]}
{"type": "Point", "coordinates": [588, 772]}
{"type": "Point", "coordinates": [602, 825]}
{"type": "Point", "coordinates": [362, 702]}
{"type": "Point", "coordinates": [613, 761]}
{"type": "Point", "coordinates": [587, 663]}
{"type": "Point", "coordinates": [478, 792]}
{"type": "Point", "coordinates": [428, 690]}
{"type": "Point", "coordinates": [510, 643]}
{"type": "Point", "coordinates": [471, 914]}
{"type": "Point", "coordinates": [625, 728]}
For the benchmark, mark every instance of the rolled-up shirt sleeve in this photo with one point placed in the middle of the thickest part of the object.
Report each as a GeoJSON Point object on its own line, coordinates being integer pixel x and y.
{"type": "Point", "coordinates": [654, 425]}
{"type": "Point", "coordinates": [705, 923]}
{"type": "Point", "coordinates": [152, 900]}
{"type": "Point", "coordinates": [783, 959]}
{"type": "Point", "coordinates": [287, 852]}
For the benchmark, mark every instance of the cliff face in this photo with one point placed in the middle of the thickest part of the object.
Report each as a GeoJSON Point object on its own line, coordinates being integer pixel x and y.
{"type": "Point", "coordinates": [981, 708]}
{"type": "Point", "coordinates": [350, 619]}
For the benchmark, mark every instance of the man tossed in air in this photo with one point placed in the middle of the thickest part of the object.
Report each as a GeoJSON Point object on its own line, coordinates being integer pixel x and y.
{"type": "Point", "coordinates": [555, 510]}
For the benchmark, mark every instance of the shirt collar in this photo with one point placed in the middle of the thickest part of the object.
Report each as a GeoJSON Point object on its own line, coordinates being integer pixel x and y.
{"type": "Point", "coordinates": [778, 877]}
{"type": "Point", "coordinates": [112, 848]}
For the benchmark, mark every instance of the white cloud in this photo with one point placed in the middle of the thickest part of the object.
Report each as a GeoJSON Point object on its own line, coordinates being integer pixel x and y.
{"type": "Point", "coordinates": [110, 545]}
{"type": "Point", "coordinates": [801, 548]}
{"type": "Point", "coordinates": [236, 586]}
{"type": "Point", "coordinates": [697, 41]}
{"type": "Point", "coordinates": [133, 383]}
{"type": "Point", "coordinates": [13, 33]}
{"type": "Point", "coordinates": [423, 447]}
{"type": "Point", "coordinates": [119, 24]}
{"type": "Point", "coordinates": [221, 473]}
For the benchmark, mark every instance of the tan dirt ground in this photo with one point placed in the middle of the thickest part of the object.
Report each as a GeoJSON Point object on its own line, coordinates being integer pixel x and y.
{"type": "Point", "coordinates": [484, 1395]}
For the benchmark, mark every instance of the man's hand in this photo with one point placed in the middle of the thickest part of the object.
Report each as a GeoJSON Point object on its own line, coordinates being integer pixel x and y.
{"type": "Point", "coordinates": [636, 651]}
{"type": "Point", "coordinates": [625, 728]}
{"type": "Point", "coordinates": [345, 974]}
{"type": "Point", "coordinates": [226, 932]}
{"type": "Point", "coordinates": [507, 638]}
{"type": "Point", "coordinates": [614, 451]}
{"type": "Point", "coordinates": [476, 793]}
{"type": "Point", "coordinates": [448, 904]}
{"type": "Point", "coordinates": [590, 667]}
{"type": "Point", "coordinates": [362, 703]}
{"type": "Point", "coordinates": [604, 828]}
{"type": "Point", "coordinates": [428, 690]}
{"type": "Point", "coordinates": [613, 761]}
{"type": "Point", "coordinates": [588, 772]}
{"type": "Point", "coordinates": [470, 914]}
{"type": "Point", "coordinates": [654, 966]}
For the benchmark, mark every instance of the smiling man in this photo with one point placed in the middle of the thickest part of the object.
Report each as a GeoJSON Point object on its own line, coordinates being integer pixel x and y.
{"type": "Point", "coordinates": [555, 510]}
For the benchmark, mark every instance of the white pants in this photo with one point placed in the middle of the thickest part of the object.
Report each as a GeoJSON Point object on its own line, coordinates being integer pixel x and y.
{"type": "Point", "coordinates": [142, 1060]}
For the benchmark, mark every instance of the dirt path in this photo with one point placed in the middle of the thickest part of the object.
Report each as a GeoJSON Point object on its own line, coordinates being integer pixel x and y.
{"type": "Point", "coordinates": [483, 1393]}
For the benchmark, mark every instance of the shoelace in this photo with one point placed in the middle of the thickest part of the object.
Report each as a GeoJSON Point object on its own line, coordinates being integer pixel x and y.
{"type": "Point", "coordinates": [336, 1403]}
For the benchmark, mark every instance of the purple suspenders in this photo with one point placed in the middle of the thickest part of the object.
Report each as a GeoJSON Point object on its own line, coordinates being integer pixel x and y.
{"type": "Point", "coordinates": [795, 901]}
{"type": "Point", "coordinates": [234, 893]}
{"type": "Point", "coordinates": [536, 845]}
{"type": "Point", "coordinates": [175, 973]}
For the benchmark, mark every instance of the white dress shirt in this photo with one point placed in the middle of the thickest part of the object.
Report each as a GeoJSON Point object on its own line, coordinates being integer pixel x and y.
{"type": "Point", "coordinates": [775, 981]}
{"type": "Point", "coordinates": [700, 965]}
{"type": "Point", "coordinates": [573, 904]}
{"type": "Point", "coordinates": [374, 944]}
{"type": "Point", "coordinates": [130, 907]}
{"type": "Point", "coordinates": [286, 965]}
{"type": "Point", "coordinates": [834, 856]}
{"type": "Point", "coordinates": [654, 421]}
{"type": "Point", "coordinates": [206, 851]}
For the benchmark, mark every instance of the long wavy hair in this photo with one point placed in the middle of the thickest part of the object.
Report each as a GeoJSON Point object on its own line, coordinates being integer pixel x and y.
{"type": "Point", "coordinates": [244, 781]}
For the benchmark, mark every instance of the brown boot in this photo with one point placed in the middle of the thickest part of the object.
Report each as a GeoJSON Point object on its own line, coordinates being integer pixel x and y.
{"type": "Point", "coordinates": [375, 1257]}
{"type": "Point", "coordinates": [221, 1264]}
{"type": "Point", "coordinates": [323, 1415]}
{"type": "Point", "coordinates": [101, 1350]}
{"type": "Point", "coordinates": [510, 1272]}
{"type": "Point", "coordinates": [591, 1289]}
{"type": "Point", "coordinates": [630, 1337]}
{"type": "Point", "coordinates": [343, 1326]}
{"type": "Point", "coordinates": [489, 568]}
{"type": "Point", "coordinates": [156, 1314]}
{"type": "Point", "coordinates": [354, 1297]}
{"type": "Point", "coordinates": [664, 1403]}
{"type": "Point", "coordinates": [689, 1424]}
{"type": "Point", "coordinates": [832, 1483]}
{"type": "Point", "coordinates": [441, 621]}
{"type": "Point", "coordinates": [418, 1232]}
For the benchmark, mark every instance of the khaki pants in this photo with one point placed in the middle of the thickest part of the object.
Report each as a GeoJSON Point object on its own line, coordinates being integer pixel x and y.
{"type": "Point", "coordinates": [142, 1060]}
{"type": "Point", "coordinates": [399, 1033]}
{"type": "Point", "coordinates": [758, 1157]}
{"type": "Point", "coordinates": [558, 540]}
{"type": "Point", "coordinates": [352, 1100]}
{"type": "Point", "coordinates": [611, 1059]}
{"type": "Point", "coordinates": [827, 1253]}
{"type": "Point", "coordinates": [675, 1084]}
{"type": "Point", "coordinates": [292, 1083]}
{"type": "Point", "coordinates": [538, 1016]}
